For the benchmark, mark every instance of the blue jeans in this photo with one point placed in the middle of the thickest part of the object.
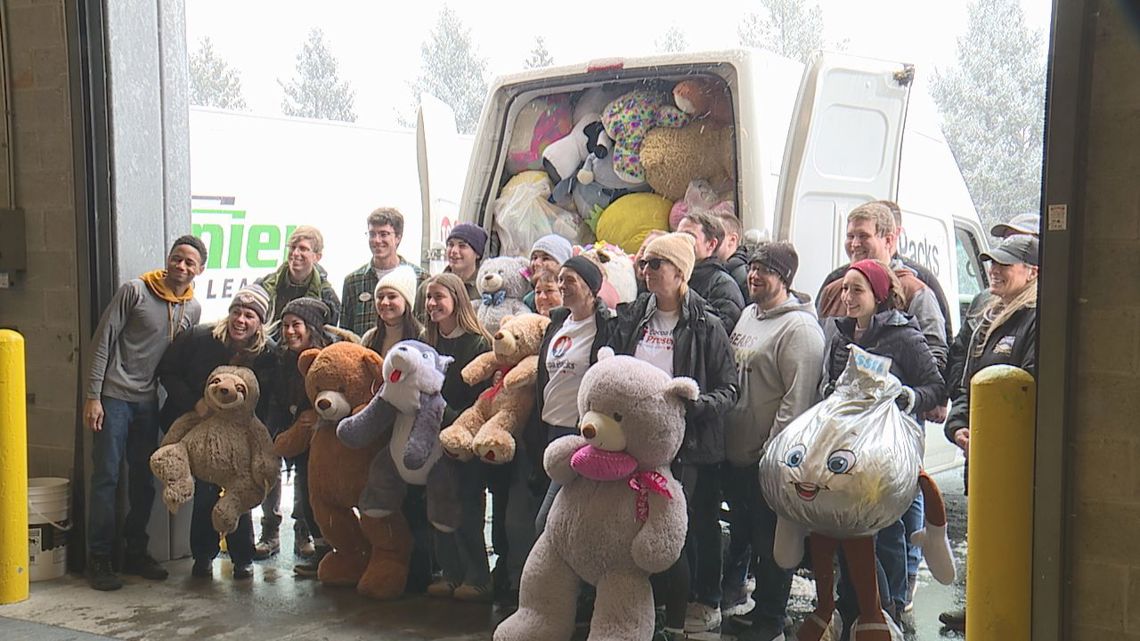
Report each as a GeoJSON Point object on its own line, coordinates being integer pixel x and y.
{"type": "Point", "coordinates": [894, 551]}
{"type": "Point", "coordinates": [130, 432]}
{"type": "Point", "coordinates": [914, 520]}
{"type": "Point", "coordinates": [204, 539]}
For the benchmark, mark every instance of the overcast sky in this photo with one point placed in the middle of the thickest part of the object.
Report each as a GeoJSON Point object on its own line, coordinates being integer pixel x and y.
{"type": "Point", "coordinates": [378, 43]}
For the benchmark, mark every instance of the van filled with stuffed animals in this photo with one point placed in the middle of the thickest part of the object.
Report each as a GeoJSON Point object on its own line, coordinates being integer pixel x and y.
{"type": "Point", "coordinates": [604, 152]}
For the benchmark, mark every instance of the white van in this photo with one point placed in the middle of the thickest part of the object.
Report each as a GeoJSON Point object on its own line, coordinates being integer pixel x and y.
{"type": "Point", "coordinates": [810, 144]}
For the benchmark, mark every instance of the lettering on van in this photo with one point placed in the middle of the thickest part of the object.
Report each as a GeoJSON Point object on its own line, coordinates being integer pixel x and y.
{"type": "Point", "coordinates": [233, 244]}
{"type": "Point", "coordinates": [921, 251]}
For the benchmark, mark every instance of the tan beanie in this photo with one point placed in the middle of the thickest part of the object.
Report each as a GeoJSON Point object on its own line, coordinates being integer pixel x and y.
{"type": "Point", "coordinates": [676, 248]}
{"type": "Point", "coordinates": [403, 280]}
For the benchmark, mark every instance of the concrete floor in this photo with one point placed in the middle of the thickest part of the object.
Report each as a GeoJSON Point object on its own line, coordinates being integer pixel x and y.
{"type": "Point", "coordinates": [275, 604]}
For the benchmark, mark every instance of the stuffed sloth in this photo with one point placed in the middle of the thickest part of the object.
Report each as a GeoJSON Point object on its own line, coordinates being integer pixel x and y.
{"type": "Point", "coordinates": [408, 409]}
{"type": "Point", "coordinates": [620, 516]}
{"type": "Point", "coordinates": [229, 447]}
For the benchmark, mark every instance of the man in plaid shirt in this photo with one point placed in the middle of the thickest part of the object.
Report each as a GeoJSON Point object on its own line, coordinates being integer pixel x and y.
{"type": "Point", "coordinates": [385, 230]}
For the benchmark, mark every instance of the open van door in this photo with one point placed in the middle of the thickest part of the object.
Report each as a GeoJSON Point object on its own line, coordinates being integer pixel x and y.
{"type": "Point", "coordinates": [843, 149]}
{"type": "Point", "coordinates": [441, 172]}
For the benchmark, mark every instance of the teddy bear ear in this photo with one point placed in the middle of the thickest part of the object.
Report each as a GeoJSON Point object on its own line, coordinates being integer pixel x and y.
{"type": "Point", "coordinates": [682, 387]}
{"type": "Point", "coordinates": [305, 360]}
{"type": "Point", "coordinates": [374, 363]}
{"type": "Point", "coordinates": [604, 353]}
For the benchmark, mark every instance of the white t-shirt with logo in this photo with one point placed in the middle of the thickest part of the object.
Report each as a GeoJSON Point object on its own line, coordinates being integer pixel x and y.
{"type": "Point", "coordinates": [566, 363]}
{"type": "Point", "coordinates": [656, 345]}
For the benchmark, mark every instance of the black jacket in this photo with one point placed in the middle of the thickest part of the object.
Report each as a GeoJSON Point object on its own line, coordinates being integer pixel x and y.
{"type": "Point", "coordinates": [737, 265]}
{"type": "Point", "coordinates": [1014, 343]}
{"type": "Point", "coordinates": [187, 364]}
{"type": "Point", "coordinates": [712, 281]}
{"type": "Point", "coordinates": [895, 335]}
{"type": "Point", "coordinates": [702, 352]}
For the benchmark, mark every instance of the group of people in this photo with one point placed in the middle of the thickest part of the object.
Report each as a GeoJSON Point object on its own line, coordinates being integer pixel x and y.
{"type": "Point", "coordinates": [709, 308]}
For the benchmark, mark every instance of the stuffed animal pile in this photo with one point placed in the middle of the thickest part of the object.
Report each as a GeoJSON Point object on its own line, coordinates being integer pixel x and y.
{"type": "Point", "coordinates": [616, 158]}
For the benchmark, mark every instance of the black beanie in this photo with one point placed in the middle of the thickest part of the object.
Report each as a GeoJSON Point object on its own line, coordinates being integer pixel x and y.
{"type": "Point", "coordinates": [587, 271]}
{"type": "Point", "coordinates": [314, 312]}
{"type": "Point", "coordinates": [780, 257]}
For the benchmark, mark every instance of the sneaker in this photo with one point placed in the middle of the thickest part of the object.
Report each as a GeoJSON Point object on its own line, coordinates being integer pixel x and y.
{"type": "Point", "coordinates": [102, 575]}
{"type": "Point", "coordinates": [702, 618]}
{"type": "Point", "coordinates": [766, 630]}
{"type": "Point", "coordinates": [442, 589]}
{"type": "Point", "coordinates": [736, 601]}
{"type": "Point", "coordinates": [954, 619]}
{"type": "Point", "coordinates": [243, 571]}
{"type": "Point", "coordinates": [474, 593]}
{"type": "Point", "coordinates": [145, 566]}
{"type": "Point", "coordinates": [203, 569]}
{"type": "Point", "coordinates": [266, 548]}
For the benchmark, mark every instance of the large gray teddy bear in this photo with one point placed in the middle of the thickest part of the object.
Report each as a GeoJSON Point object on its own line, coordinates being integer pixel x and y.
{"type": "Point", "coordinates": [408, 410]}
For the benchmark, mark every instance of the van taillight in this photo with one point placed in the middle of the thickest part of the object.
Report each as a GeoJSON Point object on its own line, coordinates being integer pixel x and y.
{"type": "Point", "coordinates": [605, 64]}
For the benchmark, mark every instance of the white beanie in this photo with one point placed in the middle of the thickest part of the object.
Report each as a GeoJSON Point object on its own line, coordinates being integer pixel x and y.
{"type": "Point", "coordinates": [403, 280]}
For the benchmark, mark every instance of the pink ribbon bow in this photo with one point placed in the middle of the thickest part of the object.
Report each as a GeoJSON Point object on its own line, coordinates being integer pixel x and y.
{"type": "Point", "coordinates": [643, 483]}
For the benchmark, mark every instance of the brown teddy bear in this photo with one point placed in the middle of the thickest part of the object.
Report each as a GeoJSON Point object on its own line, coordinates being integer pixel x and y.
{"type": "Point", "coordinates": [487, 429]}
{"type": "Point", "coordinates": [705, 98]}
{"type": "Point", "coordinates": [369, 552]}
{"type": "Point", "coordinates": [672, 158]}
{"type": "Point", "coordinates": [225, 445]}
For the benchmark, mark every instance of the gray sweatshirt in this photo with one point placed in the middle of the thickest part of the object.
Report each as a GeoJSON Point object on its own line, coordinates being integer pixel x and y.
{"type": "Point", "coordinates": [778, 355]}
{"type": "Point", "coordinates": [130, 340]}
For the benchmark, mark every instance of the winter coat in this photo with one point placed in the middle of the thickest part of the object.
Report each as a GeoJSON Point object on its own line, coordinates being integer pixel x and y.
{"type": "Point", "coordinates": [895, 335]}
{"type": "Point", "coordinates": [190, 359]}
{"type": "Point", "coordinates": [1014, 343]}
{"type": "Point", "coordinates": [702, 352]}
{"type": "Point", "coordinates": [712, 281]}
{"type": "Point", "coordinates": [778, 354]}
{"type": "Point", "coordinates": [356, 294]}
{"type": "Point", "coordinates": [737, 265]}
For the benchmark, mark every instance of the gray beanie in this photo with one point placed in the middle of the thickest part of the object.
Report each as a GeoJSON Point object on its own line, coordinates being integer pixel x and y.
{"type": "Point", "coordinates": [554, 246]}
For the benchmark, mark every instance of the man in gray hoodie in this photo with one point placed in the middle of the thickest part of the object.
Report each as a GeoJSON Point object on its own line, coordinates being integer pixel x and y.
{"type": "Point", "coordinates": [143, 318]}
{"type": "Point", "coordinates": [779, 349]}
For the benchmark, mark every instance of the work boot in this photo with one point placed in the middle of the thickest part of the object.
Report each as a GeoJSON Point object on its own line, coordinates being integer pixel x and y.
{"type": "Point", "coordinates": [303, 548]}
{"type": "Point", "coordinates": [203, 569]}
{"type": "Point", "coordinates": [309, 567]}
{"type": "Point", "coordinates": [145, 566]}
{"type": "Point", "coordinates": [243, 571]}
{"type": "Point", "coordinates": [102, 575]}
{"type": "Point", "coordinates": [954, 619]}
{"type": "Point", "coordinates": [266, 548]}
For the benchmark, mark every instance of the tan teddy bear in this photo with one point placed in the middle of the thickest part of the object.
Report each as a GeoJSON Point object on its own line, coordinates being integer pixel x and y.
{"type": "Point", "coordinates": [487, 429]}
{"type": "Point", "coordinates": [673, 158]}
{"type": "Point", "coordinates": [228, 447]}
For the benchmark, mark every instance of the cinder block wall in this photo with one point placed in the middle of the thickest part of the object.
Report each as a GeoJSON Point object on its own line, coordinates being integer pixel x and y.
{"type": "Point", "coordinates": [1103, 556]}
{"type": "Point", "coordinates": [43, 303]}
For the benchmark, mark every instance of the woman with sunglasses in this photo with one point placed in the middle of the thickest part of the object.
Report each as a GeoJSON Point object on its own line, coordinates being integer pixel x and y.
{"type": "Point", "coordinates": [673, 328]}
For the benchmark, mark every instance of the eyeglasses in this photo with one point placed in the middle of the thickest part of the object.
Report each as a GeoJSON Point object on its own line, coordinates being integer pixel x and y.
{"type": "Point", "coordinates": [651, 263]}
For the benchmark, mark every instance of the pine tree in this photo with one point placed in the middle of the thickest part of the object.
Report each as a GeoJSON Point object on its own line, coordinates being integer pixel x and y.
{"type": "Point", "coordinates": [790, 29]}
{"type": "Point", "coordinates": [316, 90]}
{"type": "Point", "coordinates": [993, 109]}
{"type": "Point", "coordinates": [451, 70]}
{"type": "Point", "coordinates": [539, 56]}
{"type": "Point", "coordinates": [672, 41]}
{"type": "Point", "coordinates": [213, 83]}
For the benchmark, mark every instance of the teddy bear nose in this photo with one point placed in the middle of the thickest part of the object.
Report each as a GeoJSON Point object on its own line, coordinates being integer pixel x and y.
{"type": "Point", "coordinates": [324, 404]}
{"type": "Point", "coordinates": [589, 431]}
{"type": "Point", "coordinates": [498, 336]}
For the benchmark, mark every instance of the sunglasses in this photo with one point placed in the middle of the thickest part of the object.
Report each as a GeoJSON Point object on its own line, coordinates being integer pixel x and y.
{"type": "Point", "coordinates": [651, 263]}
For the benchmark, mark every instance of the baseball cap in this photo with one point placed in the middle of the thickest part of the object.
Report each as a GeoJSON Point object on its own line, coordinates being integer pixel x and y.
{"type": "Point", "coordinates": [1020, 224]}
{"type": "Point", "coordinates": [1014, 250]}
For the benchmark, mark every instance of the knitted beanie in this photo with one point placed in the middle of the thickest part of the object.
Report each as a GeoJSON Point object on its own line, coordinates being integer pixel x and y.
{"type": "Point", "coordinates": [876, 273]}
{"type": "Point", "coordinates": [587, 271]}
{"type": "Point", "coordinates": [554, 246]}
{"type": "Point", "coordinates": [677, 249]}
{"type": "Point", "coordinates": [254, 297]}
{"type": "Point", "coordinates": [779, 257]}
{"type": "Point", "coordinates": [310, 310]}
{"type": "Point", "coordinates": [473, 235]}
{"type": "Point", "coordinates": [403, 280]}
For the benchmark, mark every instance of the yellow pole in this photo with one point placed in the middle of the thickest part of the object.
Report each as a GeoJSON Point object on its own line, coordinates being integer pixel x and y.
{"type": "Point", "coordinates": [13, 470]}
{"type": "Point", "coordinates": [999, 560]}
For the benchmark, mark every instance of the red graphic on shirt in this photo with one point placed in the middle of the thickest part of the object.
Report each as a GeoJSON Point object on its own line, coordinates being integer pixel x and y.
{"type": "Point", "coordinates": [561, 346]}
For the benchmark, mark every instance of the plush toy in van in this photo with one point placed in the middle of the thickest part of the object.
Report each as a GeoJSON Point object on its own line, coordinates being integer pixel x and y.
{"type": "Point", "coordinates": [628, 120]}
{"type": "Point", "coordinates": [541, 122]}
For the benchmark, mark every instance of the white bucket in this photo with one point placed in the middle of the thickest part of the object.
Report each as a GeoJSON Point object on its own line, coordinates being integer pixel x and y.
{"type": "Point", "coordinates": [49, 500]}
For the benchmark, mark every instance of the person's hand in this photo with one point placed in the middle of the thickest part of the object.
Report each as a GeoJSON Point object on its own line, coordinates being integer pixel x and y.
{"type": "Point", "coordinates": [905, 400]}
{"type": "Point", "coordinates": [93, 414]}
{"type": "Point", "coordinates": [936, 415]}
{"type": "Point", "coordinates": [962, 440]}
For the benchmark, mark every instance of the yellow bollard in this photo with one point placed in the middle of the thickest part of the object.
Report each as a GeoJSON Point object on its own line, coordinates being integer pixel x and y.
{"type": "Point", "coordinates": [1000, 558]}
{"type": "Point", "coordinates": [13, 470]}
